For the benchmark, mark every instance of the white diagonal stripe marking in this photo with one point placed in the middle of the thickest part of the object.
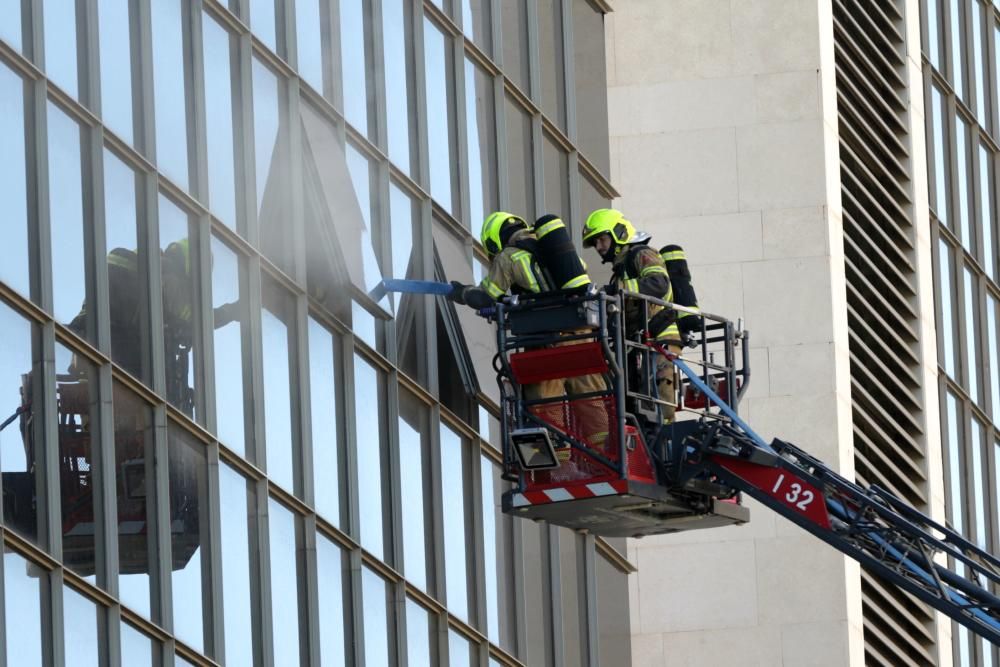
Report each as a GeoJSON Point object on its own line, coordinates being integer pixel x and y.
{"type": "Point", "coordinates": [602, 489]}
{"type": "Point", "coordinates": [558, 494]}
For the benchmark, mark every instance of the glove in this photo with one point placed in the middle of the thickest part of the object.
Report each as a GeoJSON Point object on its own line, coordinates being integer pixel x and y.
{"type": "Point", "coordinates": [457, 293]}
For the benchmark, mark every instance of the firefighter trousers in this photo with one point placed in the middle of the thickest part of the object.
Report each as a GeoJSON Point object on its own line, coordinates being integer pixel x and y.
{"type": "Point", "coordinates": [666, 380]}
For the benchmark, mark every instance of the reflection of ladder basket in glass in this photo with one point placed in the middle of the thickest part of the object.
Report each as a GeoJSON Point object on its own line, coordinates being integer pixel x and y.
{"type": "Point", "coordinates": [134, 472]}
{"type": "Point", "coordinates": [619, 476]}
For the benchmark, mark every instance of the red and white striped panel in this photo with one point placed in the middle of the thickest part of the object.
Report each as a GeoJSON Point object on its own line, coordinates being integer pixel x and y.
{"type": "Point", "coordinates": [574, 492]}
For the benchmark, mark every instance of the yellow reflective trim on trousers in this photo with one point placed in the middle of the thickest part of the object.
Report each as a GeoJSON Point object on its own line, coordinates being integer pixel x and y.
{"type": "Point", "coordinates": [582, 279]}
{"type": "Point", "coordinates": [682, 314]}
{"type": "Point", "coordinates": [491, 288]}
{"type": "Point", "coordinates": [548, 227]}
{"type": "Point", "coordinates": [652, 269]}
{"type": "Point", "coordinates": [673, 256]}
{"type": "Point", "coordinates": [523, 257]}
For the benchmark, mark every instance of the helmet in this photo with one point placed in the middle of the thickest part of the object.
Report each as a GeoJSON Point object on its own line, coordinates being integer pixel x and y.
{"type": "Point", "coordinates": [497, 227]}
{"type": "Point", "coordinates": [608, 221]}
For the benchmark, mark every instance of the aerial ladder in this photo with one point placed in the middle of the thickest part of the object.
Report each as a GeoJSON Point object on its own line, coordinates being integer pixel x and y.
{"type": "Point", "coordinates": [639, 477]}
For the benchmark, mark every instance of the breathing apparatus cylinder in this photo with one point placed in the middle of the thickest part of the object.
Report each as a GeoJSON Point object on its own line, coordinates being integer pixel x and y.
{"type": "Point", "coordinates": [680, 279]}
{"type": "Point", "coordinates": [556, 252]}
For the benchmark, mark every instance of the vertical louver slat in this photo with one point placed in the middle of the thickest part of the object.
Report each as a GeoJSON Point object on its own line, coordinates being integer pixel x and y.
{"type": "Point", "coordinates": [883, 322]}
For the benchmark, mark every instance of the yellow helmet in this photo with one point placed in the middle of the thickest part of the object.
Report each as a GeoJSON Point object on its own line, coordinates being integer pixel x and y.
{"type": "Point", "coordinates": [607, 221]}
{"type": "Point", "coordinates": [492, 236]}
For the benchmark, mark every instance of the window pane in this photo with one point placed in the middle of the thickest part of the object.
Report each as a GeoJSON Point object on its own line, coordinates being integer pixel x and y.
{"type": "Point", "coordinates": [238, 528]}
{"type": "Point", "coordinates": [556, 179]}
{"type": "Point", "coordinates": [231, 367]}
{"type": "Point", "coordinates": [271, 153]}
{"type": "Point", "coordinates": [135, 484]}
{"type": "Point", "coordinates": [221, 54]}
{"type": "Point", "coordinates": [69, 281]}
{"type": "Point", "coordinates": [137, 648]}
{"type": "Point", "coordinates": [360, 170]}
{"type": "Point", "coordinates": [404, 235]}
{"type": "Point", "coordinates": [536, 587]}
{"type": "Point", "coordinates": [993, 340]}
{"type": "Point", "coordinates": [413, 430]}
{"type": "Point", "coordinates": [23, 588]}
{"type": "Point", "coordinates": [419, 639]}
{"type": "Point", "coordinates": [13, 181]}
{"type": "Point", "coordinates": [520, 168]}
{"type": "Point", "coordinates": [10, 26]}
{"type": "Point", "coordinates": [178, 274]}
{"type": "Point", "coordinates": [957, 47]}
{"type": "Point", "coordinates": [963, 183]}
{"type": "Point", "coordinates": [278, 342]}
{"type": "Point", "coordinates": [955, 471]}
{"type": "Point", "coordinates": [986, 217]}
{"type": "Point", "coordinates": [940, 166]}
{"type": "Point", "coordinates": [453, 498]}
{"type": "Point", "coordinates": [480, 118]}
{"type": "Point", "coordinates": [354, 61]}
{"type": "Point", "coordinates": [169, 91]}
{"type": "Point", "coordinates": [76, 392]}
{"type": "Point", "coordinates": [978, 487]}
{"type": "Point", "coordinates": [376, 599]}
{"type": "Point", "coordinates": [80, 628]}
{"type": "Point", "coordinates": [330, 566]}
{"type": "Point", "coordinates": [934, 42]}
{"type": "Point", "coordinates": [19, 444]}
{"type": "Point", "coordinates": [590, 71]}
{"type": "Point", "coordinates": [309, 38]}
{"type": "Point", "coordinates": [515, 42]}
{"type": "Point", "coordinates": [369, 387]}
{"type": "Point", "coordinates": [476, 23]}
{"type": "Point", "coordinates": [284, 582]}
{"type": "Point", "coordinates": [971, 329]}
{"type": "Point", "coordinates": [115, 40]}
{"type": "Point", "coordinates": [460, 651]}
{"type": "Point", "coordinates": [262, 22]}
{"type": "Point", "coordinates": [614, 641]}
{"type": "Point", "coordinates": [978, 14]}
{"type": "Point", "coordinates": [188, 534]}
{"type": "Point", "coordinates": [439, 71]}
{"type": "Point", "coordinates": [324, 376]}
{"type": "Point", "coordinates": [395, 19]}
{"type": "Point", "coordinates": [573, 593]}
{"type": "Point", "coordinates": [550, 59]}
{"type": "Point", "coordinates": [59, 21]}
{"type": "Point", "coordinates": [491, 541]}
{"type": "Point", "coordinates": [947, 324]}
{"type": "Point", "coordinates": [128, 293]}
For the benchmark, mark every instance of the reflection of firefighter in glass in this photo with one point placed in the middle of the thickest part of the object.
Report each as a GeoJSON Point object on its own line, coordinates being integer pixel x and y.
{"type": "Point", "coordinates": [134, 465]}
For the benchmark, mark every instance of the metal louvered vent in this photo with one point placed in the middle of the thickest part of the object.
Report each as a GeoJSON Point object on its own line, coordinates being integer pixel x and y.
{"type": "Point", "coordinates": [881, 293]}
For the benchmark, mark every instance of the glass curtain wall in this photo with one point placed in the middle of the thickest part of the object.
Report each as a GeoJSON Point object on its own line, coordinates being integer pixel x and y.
{"type": "Point", "coordinates": [221, 445]}
{"type": "Point", "coordinates": [961, 48]}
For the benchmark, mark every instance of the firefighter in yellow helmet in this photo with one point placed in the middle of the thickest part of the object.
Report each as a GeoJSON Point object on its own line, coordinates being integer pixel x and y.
{"type": "Point", "coordinates": [638, 268]}
{"type": "Point", "coordinates": [516, 268]}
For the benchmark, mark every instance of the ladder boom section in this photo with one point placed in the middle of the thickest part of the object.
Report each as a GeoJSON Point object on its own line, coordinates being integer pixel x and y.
{"type": "Point", "coordinates": [896, 541]}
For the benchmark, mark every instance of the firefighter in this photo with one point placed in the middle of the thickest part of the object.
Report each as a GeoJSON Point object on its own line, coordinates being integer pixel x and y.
{"type": "Point", "coordinates": [125, 291]}
{"type": "Point", "coordinates": [516, 268]}
{"type": "Point", "coordinates": [638, 268]}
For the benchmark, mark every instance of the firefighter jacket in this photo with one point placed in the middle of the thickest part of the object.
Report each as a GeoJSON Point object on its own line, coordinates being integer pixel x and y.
{"type": "Point", "coordinates": [639, 269]}
{"type": "Point", "coordinates": [515, 269]}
